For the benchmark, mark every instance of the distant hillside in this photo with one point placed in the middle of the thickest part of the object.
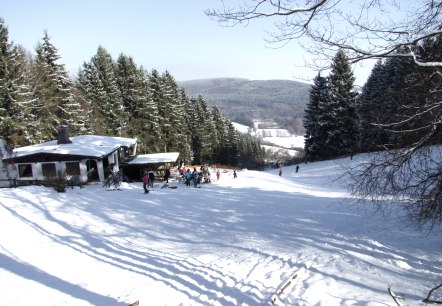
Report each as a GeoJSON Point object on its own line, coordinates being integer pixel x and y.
{"type": "Point", "coordinates": [244, 101]}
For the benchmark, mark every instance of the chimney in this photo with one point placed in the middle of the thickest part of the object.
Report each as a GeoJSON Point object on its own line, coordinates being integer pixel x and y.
{"type": "Point", "coordinates": [63, 135]}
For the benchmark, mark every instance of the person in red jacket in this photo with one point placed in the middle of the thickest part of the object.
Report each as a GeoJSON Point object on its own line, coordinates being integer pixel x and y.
{"type": "Point", "coordinates": [145, 181]}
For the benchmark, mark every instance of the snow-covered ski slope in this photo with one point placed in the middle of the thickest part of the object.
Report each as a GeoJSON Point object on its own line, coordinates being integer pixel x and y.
{"type": "Point", "coordinates": [260, 239]}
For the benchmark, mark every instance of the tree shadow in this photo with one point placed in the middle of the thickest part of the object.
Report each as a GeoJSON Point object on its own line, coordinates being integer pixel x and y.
{"type": "Point", "coordinates": [32, 273]}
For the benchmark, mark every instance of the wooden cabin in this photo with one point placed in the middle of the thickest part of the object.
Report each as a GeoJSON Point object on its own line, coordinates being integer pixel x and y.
{"type": "Point", "coordinates": [85, 156]}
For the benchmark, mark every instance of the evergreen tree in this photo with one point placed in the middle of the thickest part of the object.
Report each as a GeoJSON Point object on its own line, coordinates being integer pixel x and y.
{"type": "Point", "coordinates": [371, 110]}
{"type": "Point", "coordinates": [250, 152]}
{"type": "Point", "coordinates": [130, 84]}
{"type": "Point", "coordinates": [411, 92]}
{"type": "Point", "coordinates": [105, 95]}
{"type": "Point", "coordinates": [197, 137]}
{"type": "Point", "coordinates": [316, 120]}
{"type": "Point", "coordinates": [182, 142]}
{"type": "Point", "coordinates": [220, 134]}
{"type": "Point", "coordinates": [53, 89]}
{"type": "Point", "coordinates": [155, 129]}
{"type": "Point", "coordinates": [88, 87]}
{"type": "Point", "coordinates": [343, 136]}
{"type": "Point", "coordinates": [172, 108]}
{"type": "Point", "coordinates": [16, 101]}
{"type": "Point", "coordinates": [232, 144]}
{"type": "Point", "coordinates": [202, 131]}
{"type": "Point", "coordinates": [80, 96]}
{"type": "Point", "coordinates": [145, 125]}
{"type": "Point", "coordinates": [393, 102]}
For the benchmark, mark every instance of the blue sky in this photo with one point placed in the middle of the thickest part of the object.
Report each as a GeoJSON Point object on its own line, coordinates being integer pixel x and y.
{"type": "Point", "coordinates": [173, 35]}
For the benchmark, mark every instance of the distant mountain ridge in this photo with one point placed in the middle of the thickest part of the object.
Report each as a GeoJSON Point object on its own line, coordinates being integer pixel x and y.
{"type": "Point", "coordinates": [244, 101]}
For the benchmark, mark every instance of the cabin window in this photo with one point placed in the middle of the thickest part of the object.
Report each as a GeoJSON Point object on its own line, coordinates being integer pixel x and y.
{"type": "Point", "coordinates": [72, 168]}
{"type": "Point", "coordinates": [25, 170]}
{"type": "Point", "coordinates": [48, 170]}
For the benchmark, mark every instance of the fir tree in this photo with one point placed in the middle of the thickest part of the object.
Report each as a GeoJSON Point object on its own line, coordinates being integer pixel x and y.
{"type": "Point", "coordinates": [232, 150]}
{"type": "Point", "coordinates": [16, 111]}
{"type": "Point", "coordinates": [374, 109]}
{"type": "Point", "coordinates": [250, 152]}
{"type": "Point", "coordinates": [173, 107]}
{"type": "Point", "coordinates": [130, 84]}
{"type": "Point", "coordinates": [146, 124]}
{"type": "Point", "coordinates": [157, 142]}
{"type": "Point", "coordinates": [53, 89]}
{"type": "Point", "coordinates": [30, 106]}
{"type": "Point", "coordinates": [203, 127]}
{"type": "Point", "coordinates": [316, 120]}
{"type": "Point", "coordinates": [88, 87]}
{"type": "Point", "coordinates": [343, 135]}
{"type": "Point", "coordinates": [197, 138]}
{"type": "Point", "coordinates": [182, 130]}
{"type": "Point", "coordinates": [220, 134]}
{"type": "Point", "coordinates": [106, 96]}
{"type": "Point", "coordinates": [392, 104]}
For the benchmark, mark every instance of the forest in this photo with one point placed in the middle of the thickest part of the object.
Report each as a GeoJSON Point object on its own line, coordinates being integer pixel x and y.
{"type": "Point", "coordinates": [113, 97]}
{"type": "Point", "coordinates": [248, 101]}
{"type": "Point", "coordinates": [395, 121]}
{"type": "Point", "coordinates": [397, 107]}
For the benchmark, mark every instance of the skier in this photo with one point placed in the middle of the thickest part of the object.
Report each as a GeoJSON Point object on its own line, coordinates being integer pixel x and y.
{"type": "Point", "coordinates": [145, 181]}
{"type": "Point", "coordinates": [195, 177]}
{"type": "Point", "coordinates": [166, 175]}
{"type": "Point", "coordinates": [151, 178]}
{"type": "Point", "coordinates": [188, 176]}
{"type": "Point", "coordinates": [234, 174]}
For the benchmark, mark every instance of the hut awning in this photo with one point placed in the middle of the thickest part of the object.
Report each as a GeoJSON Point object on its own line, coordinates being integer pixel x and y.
{"type": "Point", "coordinates": [155, 158]}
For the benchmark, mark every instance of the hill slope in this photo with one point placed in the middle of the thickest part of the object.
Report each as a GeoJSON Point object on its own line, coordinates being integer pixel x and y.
{"type": "Point", "coordinates": [281, 101]}
{"type": "Point", "coordinates": [232, 242]}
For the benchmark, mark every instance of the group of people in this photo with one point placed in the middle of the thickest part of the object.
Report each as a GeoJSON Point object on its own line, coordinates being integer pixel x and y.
{"type": "Point", "coordinates": [197, 177]}
{"type": "Point", "coordinates": [194, 176]}
{"type": "Point", "coordinates": [296, 170]}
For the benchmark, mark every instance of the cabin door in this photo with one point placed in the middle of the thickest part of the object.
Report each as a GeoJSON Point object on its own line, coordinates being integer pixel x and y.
{"type": "Point", "coordinates": [92, 170]}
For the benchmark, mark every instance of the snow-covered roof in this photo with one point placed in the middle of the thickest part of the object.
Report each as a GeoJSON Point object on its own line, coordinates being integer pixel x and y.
{"type": "Point", "coordinates": [154, 158]}
{"type": "Point", "coordinates": [83, 145]}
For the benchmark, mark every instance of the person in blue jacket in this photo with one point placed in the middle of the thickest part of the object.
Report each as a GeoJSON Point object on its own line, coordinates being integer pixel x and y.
{"type": "Point", "coordinates": [188, 176]}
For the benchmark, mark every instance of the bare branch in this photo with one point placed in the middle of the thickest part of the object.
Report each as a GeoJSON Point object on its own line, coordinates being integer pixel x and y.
{"type": "Point", "coordinates": [429, 300]}
{"type": "Point", "coordinates": [378, 29]}
{"type": "Point", "coordinates": [394, 296]}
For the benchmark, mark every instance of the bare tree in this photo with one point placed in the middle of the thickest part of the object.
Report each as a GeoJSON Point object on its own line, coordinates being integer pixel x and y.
{"type": "Point", "coordinates": [364, 29]}
{"type": "Point", "coordinates": [410, 174]}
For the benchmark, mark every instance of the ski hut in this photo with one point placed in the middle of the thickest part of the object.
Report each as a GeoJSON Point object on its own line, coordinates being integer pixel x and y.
{"type": "Point", "coordinates": [157, 162]}
{"type": "Point", "coordinates": [85, 156]}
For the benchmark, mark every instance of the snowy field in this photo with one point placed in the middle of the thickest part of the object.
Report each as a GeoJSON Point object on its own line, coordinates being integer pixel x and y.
{"type": "Point", "coordinates": [283, 143]}
{"type": "Point", "coordinates": [259, 239]}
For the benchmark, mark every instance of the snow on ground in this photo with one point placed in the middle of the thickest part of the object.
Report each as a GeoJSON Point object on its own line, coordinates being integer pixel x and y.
{"type": "Point", "coordinates": [283, 141]}
{"type": "Point", "coordinates": [287, 142]}
{"type": "Point", "coordinates": [233, 242]}
{"type": "Point", "coordinates": [240, 127]}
